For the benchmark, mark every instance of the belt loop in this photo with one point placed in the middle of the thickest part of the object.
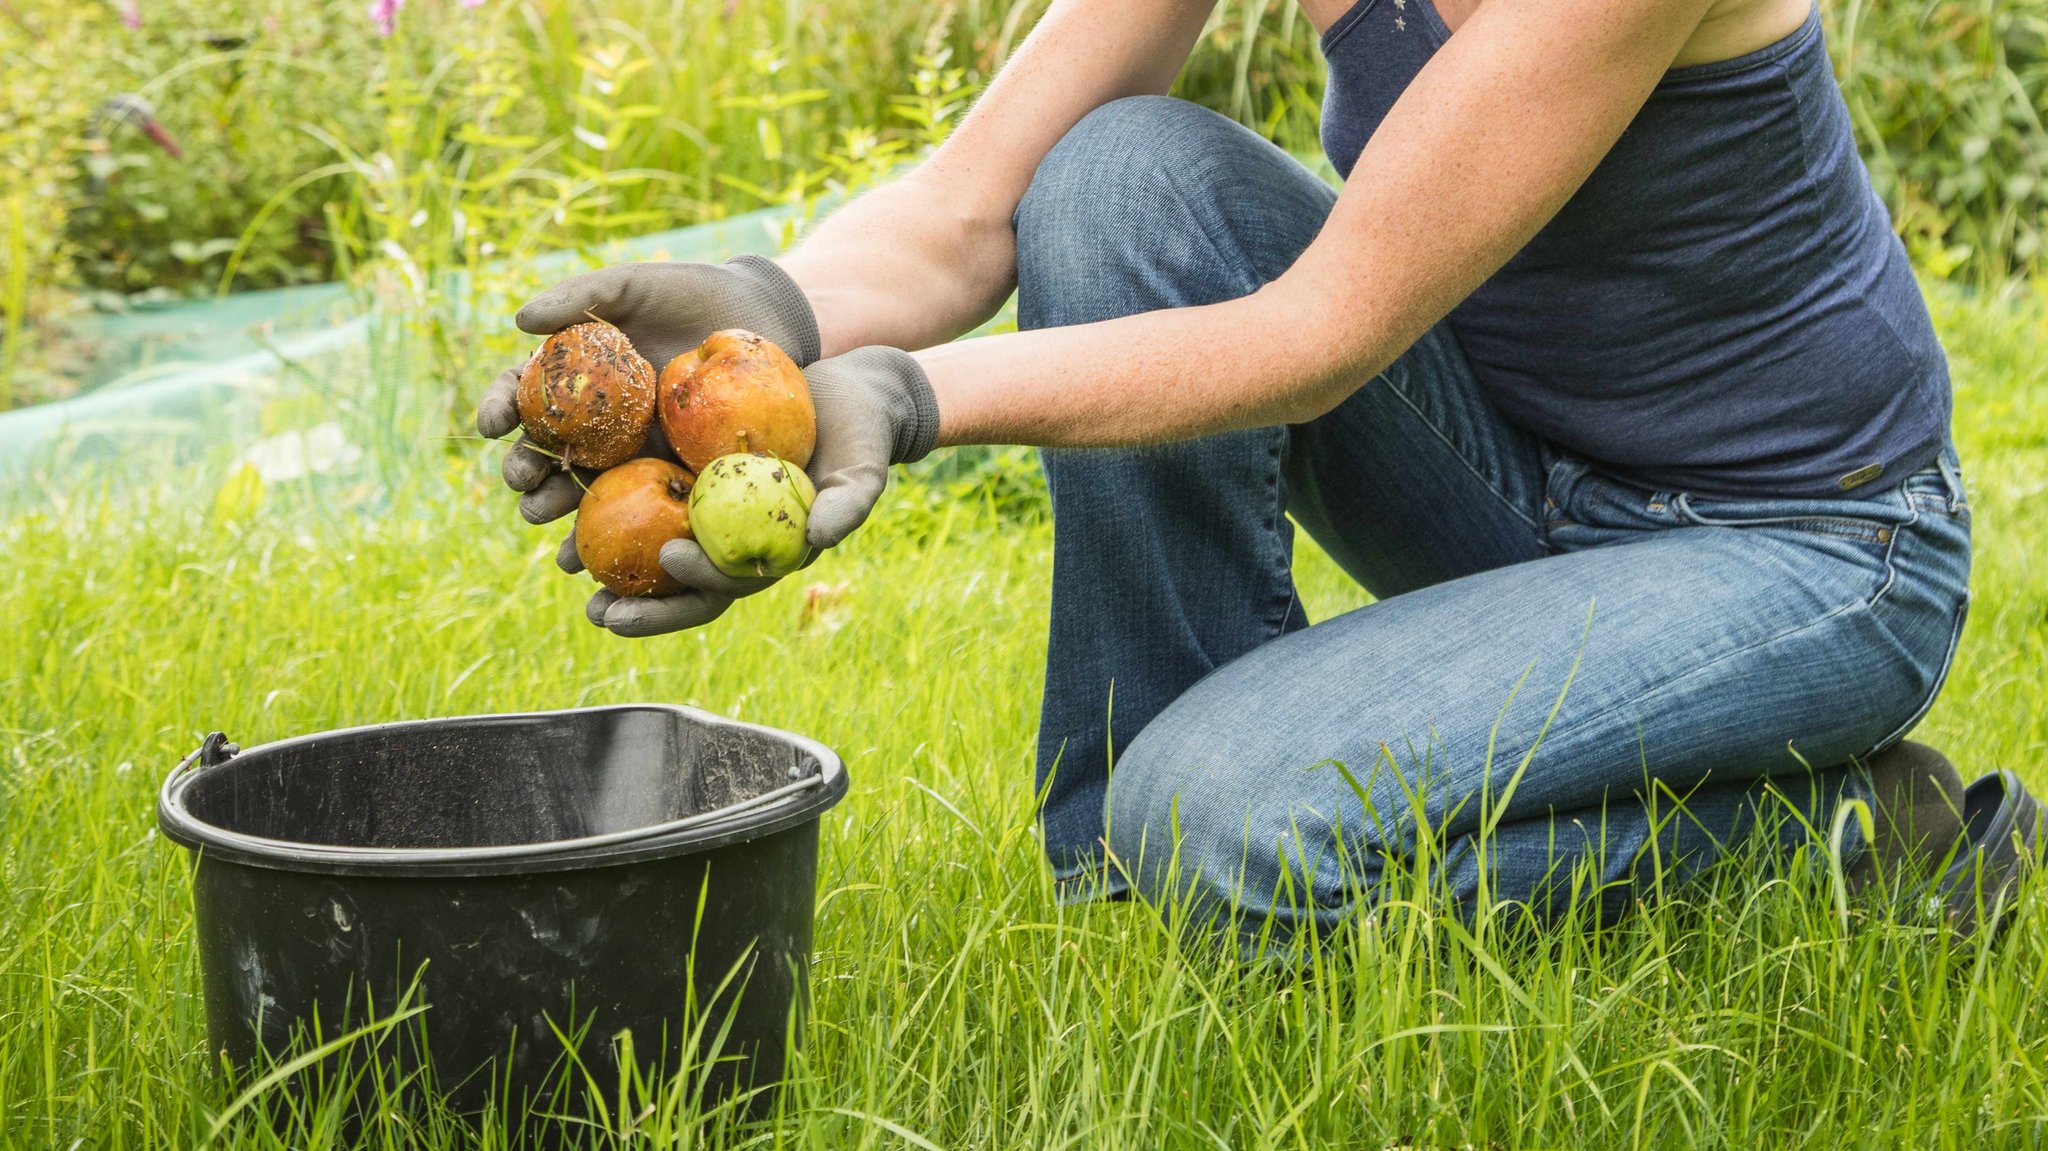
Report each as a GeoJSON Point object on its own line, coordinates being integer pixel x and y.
{"type": "Point", "coordinates": [1953, 477]}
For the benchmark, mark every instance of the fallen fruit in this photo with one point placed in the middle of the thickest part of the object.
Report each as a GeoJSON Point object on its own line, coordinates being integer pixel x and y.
{"type": "Point", "coordinates": [734, 393]}
{"type": "Point", "coordinates": [626, 515]}
{"type": "Point", "coordinates": [749, 512]}
{"type": "Point", "coordinates": [587, 396]}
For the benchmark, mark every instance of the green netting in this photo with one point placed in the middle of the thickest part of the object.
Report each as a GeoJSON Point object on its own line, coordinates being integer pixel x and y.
{"type": "Point", "coordinates": [291, 383]}
{"type": "Point", "coordinates": [156, 342]}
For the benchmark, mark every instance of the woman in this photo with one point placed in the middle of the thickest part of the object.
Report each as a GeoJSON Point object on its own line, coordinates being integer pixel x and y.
{"type": "Point", "coordinates": [1604, 372]}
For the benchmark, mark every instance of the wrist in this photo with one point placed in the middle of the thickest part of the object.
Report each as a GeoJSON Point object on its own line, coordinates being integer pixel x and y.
{"type": "Point", "coordinates": [961, 420]}
{"type": "Point", "coordinates": [838, 312]}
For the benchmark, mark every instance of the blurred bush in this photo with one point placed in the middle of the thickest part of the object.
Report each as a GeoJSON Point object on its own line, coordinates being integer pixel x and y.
{"type": "Point", "coordinates": [1949, 100]}
{"type": "Point", "coordinates": [231, 84]}
{"type": "Point", "coordinates": [314, 144]}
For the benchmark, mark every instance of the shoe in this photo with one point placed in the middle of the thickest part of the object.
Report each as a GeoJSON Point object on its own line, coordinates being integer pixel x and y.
{"type": "Point", "coordinates": [2002, 821]}
{"type": "Point", "coordinates": [1917, 806]}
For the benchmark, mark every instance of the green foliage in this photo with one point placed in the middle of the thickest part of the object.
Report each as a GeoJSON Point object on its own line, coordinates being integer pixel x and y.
{"type": "Point", "coordinates": [1259, 64]}
{"type": "Point", "coordinates": [224, 81]}
{"type": "Point", "coordinates": [656, 113]}
{"type": "Point", "coordinates": [473, 139]}
{"type": "Point", "coordinates": [956, 1005]}
{"type": "Point", "coordinates": [42, 153]}
{"type": "Point", "coordinates": [1949, 100]}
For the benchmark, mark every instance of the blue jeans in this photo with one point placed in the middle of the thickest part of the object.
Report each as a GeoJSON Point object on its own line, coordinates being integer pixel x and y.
{"type": "Point", "coordinates": [1278, 768]}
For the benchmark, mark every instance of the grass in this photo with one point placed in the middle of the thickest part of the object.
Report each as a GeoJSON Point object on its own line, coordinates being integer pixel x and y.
{"type": "Point", "coordinates": [310, 143]}
{"type": "Point", "coordinates": [956, 1005]}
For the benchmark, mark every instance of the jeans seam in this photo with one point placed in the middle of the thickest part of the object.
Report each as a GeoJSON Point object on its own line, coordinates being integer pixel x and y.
{"type": "Point", "coordinates": [1942, 505]}
{"type": "Point", "coordinates": [1844, 527]}
{"type": "Point", "coordinates": [1696, 669]}
{"type": "Point", "coordinates": [1458, 453]}
{"type": "Point", "coordinates": [1948, 659]}
{"type": "Point", "coordinates": [1952, 479]}
{"type": "Point", "coordinates": [1891, 570]}
{"type": "Point", "coordinates": [1830, 527]}
{"type": "Point", "coordinates": [1276, 514]}
{"type": "Point", "coordinates": [1274, 449]}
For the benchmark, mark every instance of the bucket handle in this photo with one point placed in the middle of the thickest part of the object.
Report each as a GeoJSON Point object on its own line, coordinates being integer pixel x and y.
{"type": "Point", "coordinates": [212, 751]}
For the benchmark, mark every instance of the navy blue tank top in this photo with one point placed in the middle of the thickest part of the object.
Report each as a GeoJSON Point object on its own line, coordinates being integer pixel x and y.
{"type": "Point", "coordinates": [1721, 308]}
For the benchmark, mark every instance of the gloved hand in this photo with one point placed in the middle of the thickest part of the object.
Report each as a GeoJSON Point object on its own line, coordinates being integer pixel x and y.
{"type": "Point", "coordinates": [875, 408]}
{"type": "Point", "coordinates": [665, 309]}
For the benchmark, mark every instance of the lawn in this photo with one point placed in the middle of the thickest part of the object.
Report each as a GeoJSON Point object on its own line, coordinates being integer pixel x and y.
{"type": "Point", "coordinates": [956, 1005]}
{"type": "Point", "coordinates": [432, 172]}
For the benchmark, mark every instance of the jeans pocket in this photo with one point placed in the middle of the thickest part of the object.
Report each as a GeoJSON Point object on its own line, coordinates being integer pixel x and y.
{"type": "Point", "coordinates": [1866, 521]}
{"type": "Point", "coordinates": [1863, 535]}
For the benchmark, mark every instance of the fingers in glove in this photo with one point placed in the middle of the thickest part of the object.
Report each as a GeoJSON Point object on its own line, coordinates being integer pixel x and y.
{"type": "Point", "coordinates": [556, 497]}
{"type": "Point", "coordinates": [638, 617]}
{"type": "Point", "coordinates": [576, 300]}
{"type": "Point", "coordinates": [526, 467]}
{"type": "Point", "coordinates": [601, 601]}
{"type": "Point", "coordinates": [498, 412]}
{"type": "Point", "coordinates": [686, 563]}
{"type": "Point", "coordinates": [566, 556]}
{"type": "Point", "coordinates": [844, 500]}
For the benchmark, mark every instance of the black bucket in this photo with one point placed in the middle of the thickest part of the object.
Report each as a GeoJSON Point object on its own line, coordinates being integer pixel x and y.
{"type": "Point", "coordinates": [649, 869]}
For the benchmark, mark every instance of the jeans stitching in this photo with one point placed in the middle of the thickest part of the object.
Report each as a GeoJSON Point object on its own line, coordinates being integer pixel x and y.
{"type": "Point", "coordinates": [1275, 452]}
{"type": "Point", "coordinates": [1948, 659]}
{"type": "Point", "coordinates": [1891, 547]}
{"type": "Point", "coordinates": [1866, 605]}
{"type": "Point", "coordinates": [1855, 528]}
{"type": "Point", "coordinates": [1697, 669]}
{"type": "Point", "coordinates": [1855, 531]}
{"type": "Point", "coordinates": [1930, 502]}
{"type": "Point", "coordinates": [1838, 529]}
{"type": "Point", "coordinates": [1456, 452]}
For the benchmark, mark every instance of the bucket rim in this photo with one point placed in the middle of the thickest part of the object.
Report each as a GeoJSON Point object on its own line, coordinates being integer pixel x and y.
{"type": "Point", "coordinates": [800, 801]}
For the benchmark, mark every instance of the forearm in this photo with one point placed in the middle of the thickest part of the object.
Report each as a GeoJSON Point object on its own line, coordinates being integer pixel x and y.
{"type": "Point", "coordinates": [906, 265]}
{"type": "Point", "coordinates": [1274, 357]}
{"type": "Point", "coordinates": [1447, 190]}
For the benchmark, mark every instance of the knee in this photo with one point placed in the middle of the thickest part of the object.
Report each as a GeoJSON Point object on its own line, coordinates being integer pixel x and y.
{"type": "Point", "coordinates": [1130, 199]}
{"type": "Point", "coordinates": [1095, 190]}
{"type": "Point", "coordinates": [1106, 161]}
{"type": "Point", "coordinates": [1212, 828]}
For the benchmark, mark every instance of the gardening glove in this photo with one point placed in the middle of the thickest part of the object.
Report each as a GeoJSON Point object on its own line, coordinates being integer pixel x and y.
{"type": "Point", "coordinates": [665, 310]}
{"type": "Point", "coordinates": [875, 408]}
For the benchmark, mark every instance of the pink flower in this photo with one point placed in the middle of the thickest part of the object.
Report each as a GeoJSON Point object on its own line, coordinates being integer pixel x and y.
{"type": "Point", "coordinates": [472, 3]}
{"type": "Point", "coordinates": [384, 14]}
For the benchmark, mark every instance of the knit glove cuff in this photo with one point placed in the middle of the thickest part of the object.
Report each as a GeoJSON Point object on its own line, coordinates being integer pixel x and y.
{"type": "Point", "coordinates": [888, 380]}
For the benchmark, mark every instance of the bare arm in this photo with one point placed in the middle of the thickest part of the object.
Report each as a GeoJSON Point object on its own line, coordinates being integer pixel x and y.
{"type": "Point", "coordinates": [1494, 135]}
{"type": "Point", "coordinates": [922, 260]}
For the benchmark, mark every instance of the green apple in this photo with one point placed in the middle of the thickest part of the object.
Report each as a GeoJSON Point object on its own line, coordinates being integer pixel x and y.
{"type": "Point", "coordinates": [749, 511]}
